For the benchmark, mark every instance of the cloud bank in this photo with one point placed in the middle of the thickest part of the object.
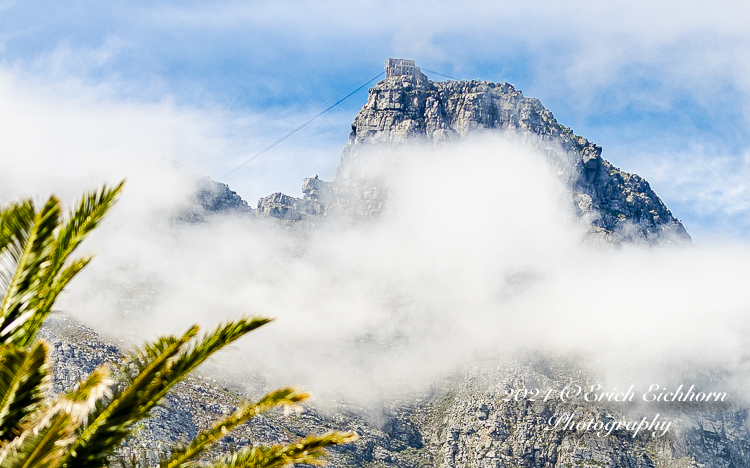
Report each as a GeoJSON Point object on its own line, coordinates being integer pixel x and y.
{"type": "Point", "coordinates": [478, 258]}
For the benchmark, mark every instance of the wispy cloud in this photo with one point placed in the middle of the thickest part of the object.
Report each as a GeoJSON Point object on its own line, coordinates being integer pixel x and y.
{"type": "Point", "coordinates": [709, 191]}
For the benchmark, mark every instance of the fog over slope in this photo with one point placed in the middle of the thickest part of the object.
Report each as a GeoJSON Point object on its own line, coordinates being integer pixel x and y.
{"type": "Point", "coordinates": [479, 257]}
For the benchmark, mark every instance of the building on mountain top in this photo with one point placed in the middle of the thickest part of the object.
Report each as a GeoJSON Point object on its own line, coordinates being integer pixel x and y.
{"type": "Point", "coordinates": [400, 67]}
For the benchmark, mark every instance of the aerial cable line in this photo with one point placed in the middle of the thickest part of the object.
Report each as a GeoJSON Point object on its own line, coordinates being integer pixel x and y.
{"type": "Point", "coordinates": [305, 124]}
{"type": "Point", "coordinates": [441, 74]}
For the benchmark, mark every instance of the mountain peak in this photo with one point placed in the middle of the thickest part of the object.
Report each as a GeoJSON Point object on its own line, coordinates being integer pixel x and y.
{"type": "Point", "coordinates": [407, 107]}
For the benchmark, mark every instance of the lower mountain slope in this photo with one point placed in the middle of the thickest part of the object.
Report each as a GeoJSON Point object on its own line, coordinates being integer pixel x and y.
{"type": "Point", "coordinates": [463, 420]}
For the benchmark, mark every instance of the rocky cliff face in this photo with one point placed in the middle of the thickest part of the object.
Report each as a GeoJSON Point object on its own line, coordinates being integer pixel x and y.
{"type": "Point", "coordinates": [616, 205]}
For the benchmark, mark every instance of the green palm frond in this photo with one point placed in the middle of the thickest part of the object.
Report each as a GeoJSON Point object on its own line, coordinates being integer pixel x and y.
{"type": "Point", "coordinates": [21, 295]}
{"type": "Point", "coordinates": [45, 440]}
{"type": "Point", "coordinates": [160, 366]}
{"type": "Point", "coordinates": [43, 448]}
{"type": "Point", "coordinates": [111, 424]}
{"type": "Point", "coordinates": [91, 210]}
{"type": "Point", "coordinates": [35, 320]}
{"type": "Point", "coordinates": [98, 385]}
{"type": "Point", "coordinates": [34, 265]}
{"type": "Point", "coordinates": [84, 428]}
{"type": "Point", "coordinates": [197, 353]}
{"type": "Point", "coordinates": [16, 221]}
{"type": "Point", "coordinates": [23, 375]}
{"type": "Point", "coordinates": [142, 356]}
{"type": "Point", "coordinates": [309, 451]}
{"type": "Point", "coordinates": [283, 397]}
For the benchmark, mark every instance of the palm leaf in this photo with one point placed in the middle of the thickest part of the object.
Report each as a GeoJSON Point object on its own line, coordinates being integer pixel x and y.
{"type": "Point", "coordinates": [43, 448]}
{"type": "Point", "coordinates": [23, 291]}
{"type": "Point", "coordinates": [91, 210]}
{"type": "Point", "coordinates": [161, 365]}
{"type": "Point", "coordinates": [16, 221]}
{"type": "Point", "coordinates": [35, 247]}
{"type": "Point", "coordinates": [110, 425]}
{"type": "Point", "coordinates": [80, 402]}
{"type": "Point", "coordinates": [85, 427]}
{"type": "Point", "coordinates": [142, 357]}
{"type": "Point", "coordinates": [44, 441]}
{"type": "Point", "coordinates": [283, 397]}
{"type": "Point", "coordinates": [34, 321]}
{"type": "Point", "coordinates": [23, 374]}
{"type": "Point", "coordinates": [210, 343]}
{"type": "Point", "coordinates": [309, 450]}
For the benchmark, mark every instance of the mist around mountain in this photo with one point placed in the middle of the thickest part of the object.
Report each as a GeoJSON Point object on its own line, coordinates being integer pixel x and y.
{"type": "Point", "coordinates": [467, 246]}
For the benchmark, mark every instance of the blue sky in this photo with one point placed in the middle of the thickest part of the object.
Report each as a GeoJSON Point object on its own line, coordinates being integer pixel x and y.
{"type": "Point", "coordinates": [663, 88]}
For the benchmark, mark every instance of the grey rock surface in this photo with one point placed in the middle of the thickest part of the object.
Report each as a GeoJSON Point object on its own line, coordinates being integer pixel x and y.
{"type": "Point", "coordinates": [214, 198]}
{"type": "Point", "coordinates": [217, 197]}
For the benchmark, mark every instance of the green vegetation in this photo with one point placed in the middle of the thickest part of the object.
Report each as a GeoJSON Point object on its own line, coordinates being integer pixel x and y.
{"type": "Point", "coordinates": [84, 428]}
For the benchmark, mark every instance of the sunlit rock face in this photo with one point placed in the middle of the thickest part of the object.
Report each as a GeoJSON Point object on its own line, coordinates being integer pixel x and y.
{"type": "Point", "coordinates": [617, 206]}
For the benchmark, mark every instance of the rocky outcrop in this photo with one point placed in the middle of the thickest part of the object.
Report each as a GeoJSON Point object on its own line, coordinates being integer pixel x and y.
{"type": "Point", "coordinates": [617, 206]}
{"type": "Point", "coordinates": [212, 198]}
{"type": "Point", "coordinates": [317, 198]}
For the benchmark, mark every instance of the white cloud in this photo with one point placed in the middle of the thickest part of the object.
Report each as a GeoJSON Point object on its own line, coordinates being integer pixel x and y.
{"type": "Point", "coordinates": [709, 190]}
{"type": "Point", "coordinates": [479, 257]}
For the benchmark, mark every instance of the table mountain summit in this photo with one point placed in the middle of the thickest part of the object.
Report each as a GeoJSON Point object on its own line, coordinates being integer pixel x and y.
{"type": "Point", "coordinates": [406, 107]}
